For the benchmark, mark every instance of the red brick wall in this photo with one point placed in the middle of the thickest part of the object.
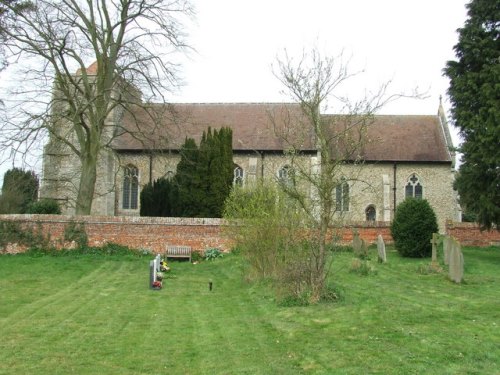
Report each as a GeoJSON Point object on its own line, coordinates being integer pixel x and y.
{"type": "Point", "coordinates": [135, 232]}
{"type": "Point", "coordinates": [469, 234]}
{"type": "Point", "coordinates": [368, 231]}
{"type": "Point", "coordinates": [200, 234]}
{"type": "Point", "coordinates": [155, 233]}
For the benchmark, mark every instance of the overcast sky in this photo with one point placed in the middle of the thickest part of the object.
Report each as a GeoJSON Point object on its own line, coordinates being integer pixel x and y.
{"type": "Point", "coordinates": [405, 41]}
{"type": "Point", "coordinates": [237, 41]}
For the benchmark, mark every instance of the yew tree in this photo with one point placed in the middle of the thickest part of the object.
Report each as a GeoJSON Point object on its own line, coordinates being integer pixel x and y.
{"type": "Point", "coordinates": [475, 98]}
{"type": "Point", "coordinates": [19, 190]}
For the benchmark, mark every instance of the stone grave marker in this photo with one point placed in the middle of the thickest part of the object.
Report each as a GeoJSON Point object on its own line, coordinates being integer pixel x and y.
{"type": "Point", "coordinates": [157, 263]}
{"type": "Point", "coordinates": [447, 242]}
{"type": "Point", "coordinates": [381, 249]}
{"type": "Point", "coordinates": [434, 242]}
{"type": "Point", "coordinates": [364, 249]}
{"type": "Point", "coordinates": [456, 260]}
{"type": "Point", "coordinates": [152, 273]}
{"type": "Point", "coordinates": [357, 243]}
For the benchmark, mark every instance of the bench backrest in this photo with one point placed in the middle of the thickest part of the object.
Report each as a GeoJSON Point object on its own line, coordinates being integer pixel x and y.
{"type": "Point", "coordinates": [178, 250]}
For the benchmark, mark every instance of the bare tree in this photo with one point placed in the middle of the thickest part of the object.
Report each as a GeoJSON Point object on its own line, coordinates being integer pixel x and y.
{"type": "Point", "coordinates": [319, 186]}
{"type": "Point", "coordinates": [5, 5]}
{"type": "Point", "coordinates": [131, 42]}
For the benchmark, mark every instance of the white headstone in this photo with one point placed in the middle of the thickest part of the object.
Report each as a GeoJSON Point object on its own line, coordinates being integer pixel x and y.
{"type": "Point", "coordinates": [157, 263]}
{"type": "Point", "coordinates": [152, 273]}
{"type": "Point", "coordinates": [381, 249]}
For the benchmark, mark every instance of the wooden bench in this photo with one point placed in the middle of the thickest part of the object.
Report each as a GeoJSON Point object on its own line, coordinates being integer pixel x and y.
{"type": "Point", "coordinates": [178, 252]}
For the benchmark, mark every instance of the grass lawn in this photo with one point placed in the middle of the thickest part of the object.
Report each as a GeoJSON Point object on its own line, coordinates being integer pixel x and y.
{"type": "Point", "coordinates": [95, 315]}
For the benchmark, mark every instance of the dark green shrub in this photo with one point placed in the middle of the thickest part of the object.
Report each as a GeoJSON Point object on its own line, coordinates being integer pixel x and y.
{"type": "Point", "coordinates": [212, 254]}
{"type": "Point", "coordinates": [45, 206]}
{"type": "Point", "coordinates": [412, 228]}
{"type": "Point", "coordinates": [158, 198]}
{"type": "Point", "coordinates": [197, 256]}
{"type": "Point", "coordinates": [19, 190]}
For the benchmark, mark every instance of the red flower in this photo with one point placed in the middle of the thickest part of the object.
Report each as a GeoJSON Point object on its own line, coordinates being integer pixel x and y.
{"type": "Point", "coordinates": [157, 284]}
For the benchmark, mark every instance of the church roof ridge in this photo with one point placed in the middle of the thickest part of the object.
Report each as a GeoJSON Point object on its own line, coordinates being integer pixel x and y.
{"type": "Point", "coordinates": [232, 103]}
{"type": "Point", "coordinates": [273, 103]}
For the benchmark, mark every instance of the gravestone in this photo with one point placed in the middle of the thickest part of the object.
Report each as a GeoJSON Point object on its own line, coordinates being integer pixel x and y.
{"type": "Point", "coordinates": [381, 249]}
{"type": "Point", "coordinates": [152, 273]}
{"type": "Point", "coordinates": [357, 243]}
{"type": "Point", "coordinates": [434, 242]}
{"type": "Point", "coordinates": [364, 250]}
{"type": "Point", "coordinates": [447, 242]}
{"type": "Point", "coordinates": [157, 263]}
{"type": "Point", "coordinates": [456, 260]}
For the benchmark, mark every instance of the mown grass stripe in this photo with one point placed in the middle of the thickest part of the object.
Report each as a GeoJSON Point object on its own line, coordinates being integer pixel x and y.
{"type": "Point", "coordinates": [97, 315]}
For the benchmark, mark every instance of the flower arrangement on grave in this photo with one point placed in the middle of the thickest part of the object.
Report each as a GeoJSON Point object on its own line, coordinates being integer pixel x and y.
{"type": "Point", "coordinates": [164, 266]}
{"type": "Point", "coordinates": [159, 276]}
{"type": "Point", "coordinates": [157, 284]}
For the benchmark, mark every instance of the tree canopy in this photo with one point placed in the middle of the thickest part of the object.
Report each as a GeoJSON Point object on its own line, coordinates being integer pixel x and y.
{"type": "Point", "coordinates": [131, 43]}
{"type": "Point", "coordinates": [475, 97]}
{"type": "Point", "coordinates": [19, 190]}
{"type": "Point", "coordinates": [5, 6]}
{"type": "Point", "coordinates": [202, 182]}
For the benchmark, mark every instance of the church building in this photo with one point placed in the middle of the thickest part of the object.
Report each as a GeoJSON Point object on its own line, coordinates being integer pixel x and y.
{"type": "Point", "coordinates": [406, 155]}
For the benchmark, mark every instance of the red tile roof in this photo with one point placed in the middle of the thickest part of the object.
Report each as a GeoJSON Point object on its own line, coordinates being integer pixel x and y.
{"type": "Point", "coordinates": [260, 126]}
{"type": "Point", "coordinates": [256, 126]}
{"type": "Point", "coordinates": [91, 69]}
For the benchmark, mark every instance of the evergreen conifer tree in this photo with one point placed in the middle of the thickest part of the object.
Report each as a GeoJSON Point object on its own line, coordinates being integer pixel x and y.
{"type": "Point", "coordinates": [19, 190]}
{"type": "Point", "coordinates": [475, 98]}
{"type": "Point", "coordinates": [188, 181]}
{"type": "Point", "coordinates": [202, 183]}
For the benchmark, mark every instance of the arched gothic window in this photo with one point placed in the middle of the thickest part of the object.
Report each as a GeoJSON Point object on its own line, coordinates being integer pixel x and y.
{"type": "Point", "coordinates": [238, 175]}
{"type": "Point", "coordinates": [342, 196]}
{"type": "Point", "coordinates": [285, 176]}
{"type": "Point", "coordinates": [130, 187]}
{"type": "Point", "coordinates": [414, 188]}
{"type": "Point", "coordinates": [371, 213]}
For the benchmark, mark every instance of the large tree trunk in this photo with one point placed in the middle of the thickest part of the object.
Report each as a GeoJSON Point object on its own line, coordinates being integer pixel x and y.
{"type": "Point", "coordinates": [87, 180]}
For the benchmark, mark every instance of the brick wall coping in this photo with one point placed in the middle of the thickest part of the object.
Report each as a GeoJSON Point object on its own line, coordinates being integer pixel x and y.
{"type": "Point", "coordinates": [142, 220]}
{"type": "Point", "coordinates": [137, 220]}
{"type": "Point", "coordinates": [453, 224]}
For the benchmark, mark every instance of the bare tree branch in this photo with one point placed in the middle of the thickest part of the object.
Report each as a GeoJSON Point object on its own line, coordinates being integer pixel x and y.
{"type": "Point", "coordinates": [132, 43]}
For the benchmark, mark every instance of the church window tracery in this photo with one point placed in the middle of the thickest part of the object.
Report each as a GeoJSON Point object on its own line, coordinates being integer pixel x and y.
{"type": "Point", "coordinates": [238, 175]}
{"type": "Point", "coordinates": [130, 187]}
{"type": "Point", "coordinates": [414, 188]}
{"type": "Point", "coordinates": [285, 176]}
{"type": "Point", "coordinates": [342, 196]}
